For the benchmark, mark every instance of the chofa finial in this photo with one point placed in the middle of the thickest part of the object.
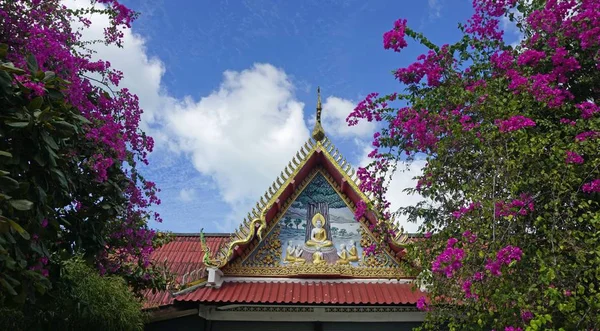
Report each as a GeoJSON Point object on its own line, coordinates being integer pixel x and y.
{"type": "Point", "coordinates": [318, 133]}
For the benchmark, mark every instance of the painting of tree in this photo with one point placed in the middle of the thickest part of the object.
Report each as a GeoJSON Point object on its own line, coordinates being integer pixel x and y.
{"type": "Point", "coordinates": [297, 222]}
{"type": "Point", "coordinates": [319, 191]}
{"type": "Point", "coordinates": [288, 222]}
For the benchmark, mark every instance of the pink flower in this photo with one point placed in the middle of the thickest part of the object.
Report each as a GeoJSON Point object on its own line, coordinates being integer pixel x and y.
{"type": "Point", "coordinates": [504, 256]}
{"type": "Point", "coordinates": [593, 186]}
{"type": "Point", "coordinates": [574, 158]}
{"type": "Point", "coordinates": [526, 315]}
{"type": "Point", "coordinates": [587, 135]}
{"type": "Point", "coordinates": [514, 123]}
{"type": "Point", "coordinates": [44, 223]}
{"type": "Point", "coordinates": [427, 235]}
{"type": "Point", "coordinates": [588, 109]}
{"type": "Point", "coordinates": [422, 303]}
{"type": "Point", "coordinates": [394, 38]}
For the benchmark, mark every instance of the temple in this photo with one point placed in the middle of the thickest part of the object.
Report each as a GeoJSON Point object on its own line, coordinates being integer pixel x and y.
{"type": "Point", "coordinates": [296, 262]}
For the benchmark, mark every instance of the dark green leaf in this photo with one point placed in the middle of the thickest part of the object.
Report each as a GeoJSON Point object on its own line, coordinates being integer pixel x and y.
{"type": "Point", "coordinates": [3, 50]}
{"type": "Point", "coordinates": [61, 178]}
{"type": "Point", "coordinates": [17, 124]}
{"type": "Point", "coordinates": [19, 229]}
{"type": "Point", "coordinates": [48, 75]}
{"type": "Point", "coordinates": [9, 67]}
{"type": "Point", "coordinates": [8, 184]}
{"type": "Point", "coordinates": [5, 82]}
{"type": "Point", "coordinates": [21, 204]}
{"type": "Point", "coordinates": [7, 286]}
{"type": "Point", "coordinates": [49, 140]}
{"type": "Point", "coordinates": [36, 103]}
{"type": "Point", "coordinates": [4, 153]}
{"type": "Point", "coordinates": [65, 127]}
{"type": "Point", "coordinates": [32, 64]}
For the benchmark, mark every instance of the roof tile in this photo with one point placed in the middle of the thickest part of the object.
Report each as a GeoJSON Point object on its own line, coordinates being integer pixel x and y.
{"type": "Point", "coordinates": [306, 292]}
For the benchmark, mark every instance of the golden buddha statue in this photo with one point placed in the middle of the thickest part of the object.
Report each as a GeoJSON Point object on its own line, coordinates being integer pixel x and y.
{"type": "Point", "coordinates": [318, 257]}
{"type": "Point", "coordinates": [318, 235]}
{"type": "Point", "coordinates": [353, 253]}
{"type": "Point", "coordinates": [343, 255]}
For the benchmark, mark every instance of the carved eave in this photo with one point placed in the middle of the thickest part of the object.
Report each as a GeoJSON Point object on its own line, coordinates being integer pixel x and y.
{"type": "Point", "coordinates": [313, 154]}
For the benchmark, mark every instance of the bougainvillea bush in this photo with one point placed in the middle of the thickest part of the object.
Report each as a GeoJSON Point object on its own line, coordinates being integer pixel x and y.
{"type": "Point", "coordinates": [510, 139]}
{"type": "Point", "coordinates": [69, 150]}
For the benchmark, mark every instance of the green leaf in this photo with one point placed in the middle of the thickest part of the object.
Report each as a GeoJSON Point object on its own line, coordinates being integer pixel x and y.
{"type": "Point", "coordinates": [65, 127]}
{"type": "Point", "coordinates": [4, 153]}
{"type": "Point", "coordinates": [9, 67]}
{"type": "Point", "coordinates": [21, 204]}
{"type": "Point", "coordinates": [19, 229]}
{"type": "Point", "coordinates": [48, 75]}
{"type": "Point", "coordinates": [61, 178]}
{"type": "Point", "coordinates": [7, 286]}
{"type": "Point", "coordinates": [3, 50]}
{"type": "Point", "coordinates": [49, 140]}
{"type": "Point", "coordinates": [5, 82]}
{"type": "Point", "coordinates": [36, 103]}
{"type": "Point", "coordinates": [17, 124]}
{"type": "Point", "coordinates": [32, 64]}
{"type": "Point", "coordinates": [8, 184]}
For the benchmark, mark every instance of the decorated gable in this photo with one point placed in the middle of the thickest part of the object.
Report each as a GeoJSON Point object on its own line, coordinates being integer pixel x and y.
{"type": "Point", "coordinates": [316, 234]}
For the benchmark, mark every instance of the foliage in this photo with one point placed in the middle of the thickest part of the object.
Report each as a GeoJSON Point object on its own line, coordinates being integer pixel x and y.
{"type": "Point", "coordinates": [319, 190]}
{"type": "Point", "coordinates": [68, 155]}
{"type": "Point", "coordinates": [511, 140]}
{"type": "Point", "coordinates": [86, 300]}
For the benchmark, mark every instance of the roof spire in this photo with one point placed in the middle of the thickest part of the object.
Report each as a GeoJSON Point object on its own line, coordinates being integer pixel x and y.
{"type": "Point", "coordinates": [318, 133]}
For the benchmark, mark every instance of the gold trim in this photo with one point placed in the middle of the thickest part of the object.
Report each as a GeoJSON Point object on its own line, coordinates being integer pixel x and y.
{"type": "Point", "coordinates": [315, 269]}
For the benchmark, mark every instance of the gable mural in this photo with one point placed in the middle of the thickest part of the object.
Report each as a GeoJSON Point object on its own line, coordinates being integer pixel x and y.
{"type": "Point", "coordinates": [319, 228]}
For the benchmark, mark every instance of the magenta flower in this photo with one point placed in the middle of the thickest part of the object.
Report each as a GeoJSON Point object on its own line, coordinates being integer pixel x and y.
{"type": "Point", "coordinates": [593, 186]}
{"type": "Point", "coordinates": [526, 315]}
{"type": "Point", "coordinates": [394, 38]}
{"type": "Point", "coordinates": [574, 158]}
{"type": "Point", "coordinates": [588, 109]}
{"type": "Point", "coordinates": [422, 303]}
{"type": "Point", "coordinates": [514, 123]}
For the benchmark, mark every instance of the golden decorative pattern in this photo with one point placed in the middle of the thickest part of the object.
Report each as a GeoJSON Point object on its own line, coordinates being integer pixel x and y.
{"type": "Point", "coordinates": [268, 253]}
{"type": "Point", "coordinates": [377, 259]}
{"type": "Point", "coordinates": [315, 269]}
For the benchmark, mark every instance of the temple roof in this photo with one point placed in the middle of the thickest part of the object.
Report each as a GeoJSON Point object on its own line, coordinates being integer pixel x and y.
{"type": "Point", "coordinates": [183, 256]}
{"type": "Point", "coordinates": [286, 291]}
{"type": "Point", "coordinates": [252, 265]}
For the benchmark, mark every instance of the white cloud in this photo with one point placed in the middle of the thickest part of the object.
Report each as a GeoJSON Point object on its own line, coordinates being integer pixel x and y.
{"type": "Point", "coordinates": [435, 8]}
{"type": "Point", "coordinates": [243, 134]}
{"type": "Point", "coordinates": [187, 194]}
{"type": "Point", "coordinates": [400, 180]}
{"type": "Point", "coordinates": [335, 112]}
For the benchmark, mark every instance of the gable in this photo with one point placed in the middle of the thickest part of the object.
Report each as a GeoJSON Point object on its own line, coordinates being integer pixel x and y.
{"type": "Point", "coordinates": [316, 234]}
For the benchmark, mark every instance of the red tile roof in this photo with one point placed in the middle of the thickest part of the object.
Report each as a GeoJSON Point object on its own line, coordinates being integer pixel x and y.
{"type": "Point", "coordinates": [182, 255]}
{"type": "Point", "coordinates": [307, 292]}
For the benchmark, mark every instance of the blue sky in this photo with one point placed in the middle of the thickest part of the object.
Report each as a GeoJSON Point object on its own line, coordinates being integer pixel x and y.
{"type": "Point", "coordinates": [229, 90]}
